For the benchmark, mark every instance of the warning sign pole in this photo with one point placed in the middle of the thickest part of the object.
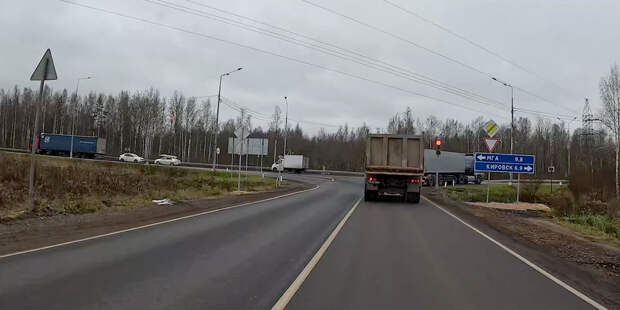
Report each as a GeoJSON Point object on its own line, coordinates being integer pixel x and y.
{"type": "Point", "coordinates": [491, 143]}
{"type": "Point", "coordinates": [45, 70]}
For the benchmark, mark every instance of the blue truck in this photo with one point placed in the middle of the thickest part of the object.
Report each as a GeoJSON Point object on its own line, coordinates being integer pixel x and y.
{"type": "Point", "coordinates": [83, 146]}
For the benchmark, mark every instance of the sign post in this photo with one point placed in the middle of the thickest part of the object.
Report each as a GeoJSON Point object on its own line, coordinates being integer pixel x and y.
{"type": "Point", "coordinates": [242, 134]}
{"type": "Point", "coordinates": [491, 143]}
{"type": "Point", "coordinates": [551, 170]}
{"type": "Point", "coordinates": [491, 129]}
{"type": "Point", "coordinates": [45, 70]}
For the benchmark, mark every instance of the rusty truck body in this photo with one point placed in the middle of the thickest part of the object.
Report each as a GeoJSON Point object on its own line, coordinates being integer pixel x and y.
{"type": "Point", "coordinates": [394, 167]}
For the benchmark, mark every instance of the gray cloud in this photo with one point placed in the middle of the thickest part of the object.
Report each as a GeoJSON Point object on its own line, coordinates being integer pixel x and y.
{"type": "Point", "coordinates": [571, 43]}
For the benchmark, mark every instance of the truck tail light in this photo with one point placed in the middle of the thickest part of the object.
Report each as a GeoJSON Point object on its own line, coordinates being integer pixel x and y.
{"type": "Point", "coordinates": [414, 181]}
{"type": "Point", "coordinates": [371, 179]}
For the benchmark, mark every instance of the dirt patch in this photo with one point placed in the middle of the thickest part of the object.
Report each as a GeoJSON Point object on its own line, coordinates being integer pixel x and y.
{"type": "Point", "coordinates": [590, 266]}
{"type": "Point", "coordinates": [521, 206]}
{"type": "Point", "coordinates": [37, 232]}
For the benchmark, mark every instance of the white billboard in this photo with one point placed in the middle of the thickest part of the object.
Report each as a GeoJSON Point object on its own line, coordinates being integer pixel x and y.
{"type": "Point", "coordinates": [251, 146]}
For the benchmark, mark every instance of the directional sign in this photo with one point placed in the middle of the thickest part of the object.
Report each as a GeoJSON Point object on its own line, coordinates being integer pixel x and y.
{"type": "Point", "coordinates": [46, 63]}
{"type": "Point", "coordinates": [516, 163]}
{"type": "Point", "coordinates": [490, 128]}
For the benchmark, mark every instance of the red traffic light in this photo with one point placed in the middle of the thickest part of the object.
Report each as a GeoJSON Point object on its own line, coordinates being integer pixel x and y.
{"type": "Point", "coordinates": [437, 142]}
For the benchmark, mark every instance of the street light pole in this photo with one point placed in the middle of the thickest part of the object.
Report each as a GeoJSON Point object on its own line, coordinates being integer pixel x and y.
{"type": "Point", "coordinates": [217, 116]}
{"type": "Point", "coordinates": [73, 114]}
{"type": "Point", "coordinates": [285, 124]}
{"type": "Point", "coordinates": [512, 116]}
{"type": "Point", "coordinates": [569, 143]}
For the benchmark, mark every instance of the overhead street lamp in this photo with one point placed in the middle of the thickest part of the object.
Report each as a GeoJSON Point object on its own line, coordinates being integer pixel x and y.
{"type": "Point", "coordinates": [73, 117]}
{"type": "Point", "coordinates": [285, 124]}
{"type": "Point", "coordinates": [569, 141]}
{"type": "Point", "coordinates": [217, 116]}
{"type": "Point", "coordinates": [512, 114]}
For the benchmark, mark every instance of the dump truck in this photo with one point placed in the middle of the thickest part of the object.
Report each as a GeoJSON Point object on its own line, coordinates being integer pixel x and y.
{"type": "Point", "coordinates": [451, 167]}
{"type": "Point", "coordinates": [394, 167]}
{"type": "Point", "coordinates": [83, 146]}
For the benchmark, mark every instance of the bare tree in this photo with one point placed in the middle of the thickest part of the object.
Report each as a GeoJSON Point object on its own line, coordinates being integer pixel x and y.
{"type": "Point", "coordinates": [610, 116]}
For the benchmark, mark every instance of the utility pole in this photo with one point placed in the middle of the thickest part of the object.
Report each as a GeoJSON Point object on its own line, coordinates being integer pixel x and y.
{"type": "Point", "coordinates": [285, 124]}
{"type": "Point", "coordinates": [217, 116]}
{"type": "Point", "coordinates": [512, 116]}
{"type": "Point", "coordinates": [73, 116]}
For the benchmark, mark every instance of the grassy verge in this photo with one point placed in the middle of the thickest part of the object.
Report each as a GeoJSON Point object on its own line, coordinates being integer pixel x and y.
{"type": "Point", "coordinates": [503, 193]}
{"type": "Point", "coordinates": [585, 217]}
{"type": "Point", "coordinates": [65, 186]}
{"type": "Point", "coordinates": [599, 227]}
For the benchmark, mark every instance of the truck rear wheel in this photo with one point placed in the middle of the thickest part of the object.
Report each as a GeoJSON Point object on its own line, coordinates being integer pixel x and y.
{"type": "Point", "coordinates": [370, 195]}
{"type": "Point", "coordinates": [413, 197]}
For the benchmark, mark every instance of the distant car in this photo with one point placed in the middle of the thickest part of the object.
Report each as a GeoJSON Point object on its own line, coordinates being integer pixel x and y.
{"type": "Point", "coordinates": [131, 157]}
{"type": "Point", "coordinates": [168, 160]}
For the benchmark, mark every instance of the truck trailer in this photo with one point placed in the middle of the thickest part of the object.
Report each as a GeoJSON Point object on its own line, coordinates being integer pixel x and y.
{"type": "Point", "coordinates": [291, 163]}
{"type": "Point", "coordinates": [450, 167]}
{"type": "Point", "coordinates": [394, 167]}
{"type": "Point", "coordinates": [83, 146]}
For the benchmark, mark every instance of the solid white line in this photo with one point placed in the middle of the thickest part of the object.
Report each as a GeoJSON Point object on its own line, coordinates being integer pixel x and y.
{"type": "Point", "coordinates": [524, 260]}
{"type": "Point", "coordinates": [292, 289]}
{"type": "Point", "coordinates": [155, 224]}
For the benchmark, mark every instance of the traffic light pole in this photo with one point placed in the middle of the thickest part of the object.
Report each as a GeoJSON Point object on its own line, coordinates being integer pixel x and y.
{"type": "Point", "coordinates": [437, 152]}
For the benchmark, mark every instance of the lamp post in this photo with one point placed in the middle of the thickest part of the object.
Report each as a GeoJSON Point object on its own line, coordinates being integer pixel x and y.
{"type": "Point", "coordinates": [285, 124]}
{"type": "Point", "coordinates": [217, 116]}
{"type": "Point", "coordinates": [512, 115]}
{"type": "Point", "coordinates": [569, 142]}
{"type": "Point", "coordinates": [77, 86]}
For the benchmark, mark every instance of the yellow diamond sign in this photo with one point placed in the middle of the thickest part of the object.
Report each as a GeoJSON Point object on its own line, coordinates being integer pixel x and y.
{"type": "Point", "coordinates": [490, 128]}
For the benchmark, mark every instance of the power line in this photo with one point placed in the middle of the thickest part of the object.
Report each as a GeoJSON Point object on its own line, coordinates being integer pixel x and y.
{"type": "Point", "coordinates": [331, 45]}
{"type": "Point", "coordinates": [486, 74]}
{"type": "Point", "coordinates": [139, 19]}
{"type": "Point", "coordinates": [255, 114]}
{"type": "Point", "coordinates": [489, 51]}
{"type": "Point", "coordinates": [355, 58]}
{"type": "Point", "coordinates": [545, 114]}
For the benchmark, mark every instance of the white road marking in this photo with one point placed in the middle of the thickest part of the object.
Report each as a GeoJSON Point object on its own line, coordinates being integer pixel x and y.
{"type": "Point", "coordinates": [292, 289]}
{"type": "Point", "coordinates": [155, 224]}
{"type": "Point", "coordinates": [524, 260]}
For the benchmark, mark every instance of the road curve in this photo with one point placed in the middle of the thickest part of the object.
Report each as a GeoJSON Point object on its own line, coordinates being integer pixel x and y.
{"type": "Point", "coordinates": [388, 255]}
{"type": "Point", "coordinates": [242, 258]}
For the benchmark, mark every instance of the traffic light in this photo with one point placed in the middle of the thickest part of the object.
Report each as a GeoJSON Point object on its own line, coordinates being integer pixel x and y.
{"type": "Point", "coordinates": [437, 146]}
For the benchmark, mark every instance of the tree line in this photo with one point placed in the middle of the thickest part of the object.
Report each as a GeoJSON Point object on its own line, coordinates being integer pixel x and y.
{"type": "Point", "coordinates": [149, 124]}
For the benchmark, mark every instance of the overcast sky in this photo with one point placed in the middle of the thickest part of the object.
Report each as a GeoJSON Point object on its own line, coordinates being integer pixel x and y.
{"type": "Point", "coordinates": [566, 45]}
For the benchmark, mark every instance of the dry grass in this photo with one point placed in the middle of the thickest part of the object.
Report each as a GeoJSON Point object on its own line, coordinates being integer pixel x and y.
{"type": "Point", "coordinates": [65, 186]}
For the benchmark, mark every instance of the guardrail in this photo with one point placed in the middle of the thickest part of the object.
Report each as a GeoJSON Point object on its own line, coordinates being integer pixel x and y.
{"type": "Point", "coordinates": [209, 166]}
{"type": "Point", "coordinates": [6, 149]}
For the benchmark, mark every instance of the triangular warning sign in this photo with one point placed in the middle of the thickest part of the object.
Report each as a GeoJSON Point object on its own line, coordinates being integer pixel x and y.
{"type": "Point", "coordinates": [491, 143]}
{"type": "Point", "coordinates": [40, 72]}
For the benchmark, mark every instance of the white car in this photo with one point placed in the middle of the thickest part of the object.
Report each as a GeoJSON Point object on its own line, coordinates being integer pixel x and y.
{"type": "Point", "coordinates": [131, 157]}
{"type": "Point", "coordinates": [168, 160]}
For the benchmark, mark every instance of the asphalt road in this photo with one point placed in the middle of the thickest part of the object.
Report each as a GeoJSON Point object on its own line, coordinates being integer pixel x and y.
{"type": "Point", "coordinates": [387, 256]}
{"type": "Point", "coordinates": [242, 258]}
{"type": "Point", "coordinates": [393, 255]}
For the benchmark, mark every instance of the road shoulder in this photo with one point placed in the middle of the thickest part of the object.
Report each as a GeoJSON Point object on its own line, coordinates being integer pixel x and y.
{"type": "Point", "coordinates": [590, 267]}
{"type": "Point", "coordinates": [44, 231]}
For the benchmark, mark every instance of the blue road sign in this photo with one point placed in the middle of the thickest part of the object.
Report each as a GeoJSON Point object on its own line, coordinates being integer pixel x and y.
{"type": "Point", "coordinates": [515, 163]}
